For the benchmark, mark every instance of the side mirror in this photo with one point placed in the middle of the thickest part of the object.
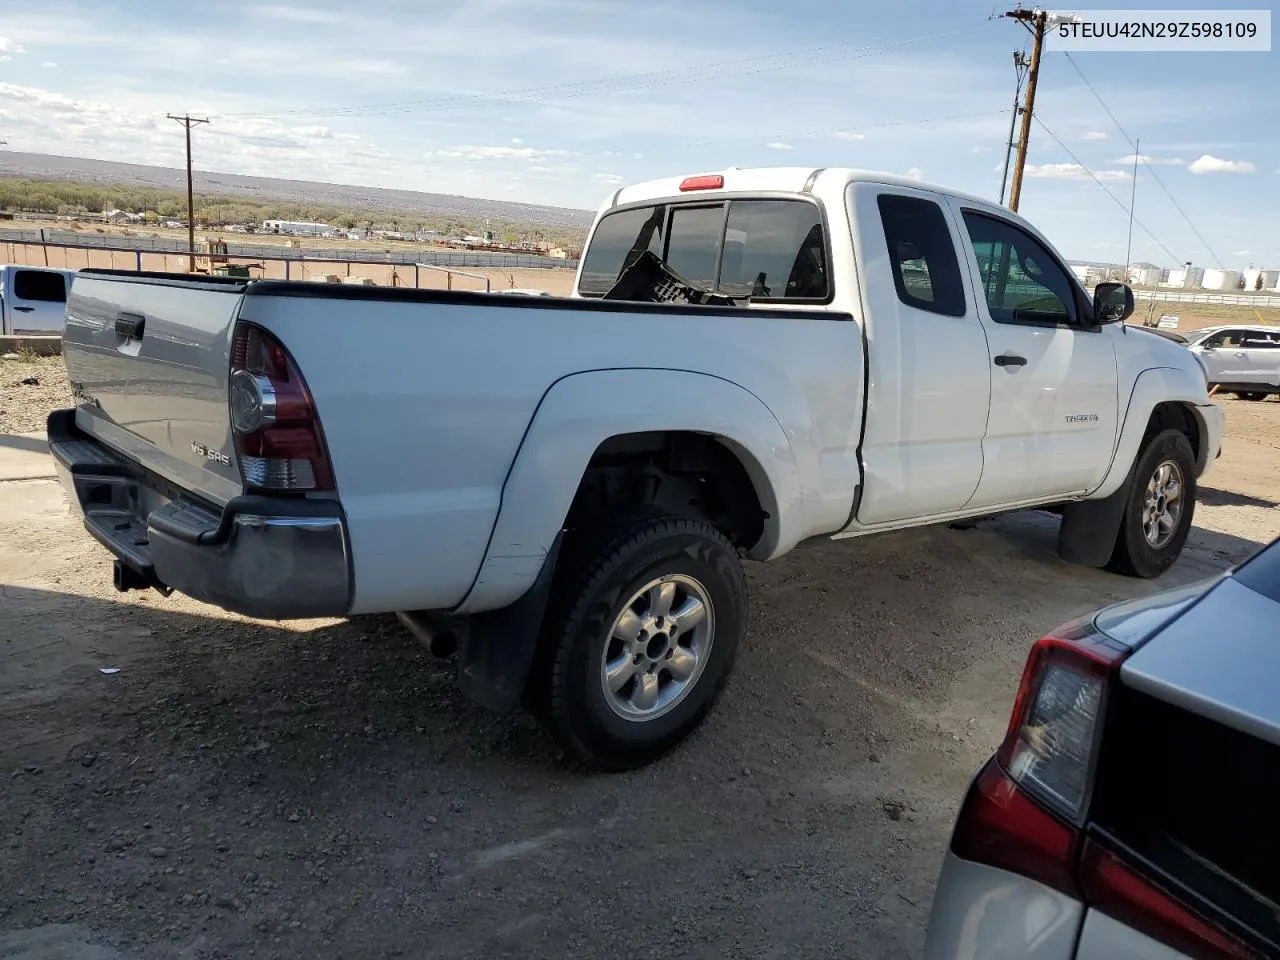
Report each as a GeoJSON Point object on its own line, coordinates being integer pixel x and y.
{"type": "Point", "coordinates": [1112, 302]}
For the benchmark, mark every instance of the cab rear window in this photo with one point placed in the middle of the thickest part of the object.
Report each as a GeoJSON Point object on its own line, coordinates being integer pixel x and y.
{"type": "Point", "coordinates": [39, 285]}
{"type": "Point", "coordinates": [762, 249]}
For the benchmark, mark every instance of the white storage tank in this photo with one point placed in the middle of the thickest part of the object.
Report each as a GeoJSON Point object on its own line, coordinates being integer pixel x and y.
{"type": "Point", "coordinates": [1226, 280]}
{"type": "Point", "coordinates": [1145, 275]}
{"type": "Point", "coordinates": [1254, 274]}
{"type": "Point", "coordinates": [1189, 278]}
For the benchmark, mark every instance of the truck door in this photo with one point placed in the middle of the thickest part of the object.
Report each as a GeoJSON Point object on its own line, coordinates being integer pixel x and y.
{"type": "Point", "coordinates": [929, 372]}
{"type": "Point", "coordinates": [37, 301]}
{"type": "Point", "coordinates": [1054, 407]}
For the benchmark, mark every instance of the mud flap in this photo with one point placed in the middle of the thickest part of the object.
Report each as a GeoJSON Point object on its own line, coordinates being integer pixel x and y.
{"type": "Point", "coordinates": [497, 647]}
{"type": "Point", "coordinates": [1090, 527]}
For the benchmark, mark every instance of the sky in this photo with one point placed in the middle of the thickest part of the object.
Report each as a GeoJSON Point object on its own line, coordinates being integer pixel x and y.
{"type": "Point", "coordinates": [561, 101]}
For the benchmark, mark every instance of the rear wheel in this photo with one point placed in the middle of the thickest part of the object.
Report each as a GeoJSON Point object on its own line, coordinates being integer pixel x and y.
{"type": "Point", "coordinates": [1251, 395]}
{"type": "Point", "coordinates": [1161, 504]}
{"type": "Point", "coordinates": [640, 637]}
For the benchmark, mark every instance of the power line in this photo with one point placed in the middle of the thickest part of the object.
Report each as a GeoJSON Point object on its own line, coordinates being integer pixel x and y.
{"type": "Point", "coordinates": [1118, 202]}
{"type": "Point", "coordinates": [834, 131]}
{"type": "Point", "coordinates": [579, 88]}
{"type": "Point", "coordinates": [1150, 169]}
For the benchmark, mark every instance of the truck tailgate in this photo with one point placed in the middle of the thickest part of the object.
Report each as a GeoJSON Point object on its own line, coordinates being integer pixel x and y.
{"type": "Point", "coordinates": [149, 359]}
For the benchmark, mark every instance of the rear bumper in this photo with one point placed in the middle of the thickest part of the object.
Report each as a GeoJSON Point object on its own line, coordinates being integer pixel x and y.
{"type": "Point", "coordinates": [984, 913]}
{"type": "Point", "coordinates": [260, 556]}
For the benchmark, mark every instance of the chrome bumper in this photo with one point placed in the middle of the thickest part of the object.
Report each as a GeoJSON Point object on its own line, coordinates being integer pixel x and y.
{"type": "Point", "coordinates": [266, 557]}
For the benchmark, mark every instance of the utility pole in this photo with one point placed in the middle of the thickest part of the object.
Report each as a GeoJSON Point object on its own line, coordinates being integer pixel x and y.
{"type": "Point", "coordinates": [1037, 19]}
{"type": "Point", "coordinates": [188, 122]}
{"type": "Point", "coordinates": [1020, 67]}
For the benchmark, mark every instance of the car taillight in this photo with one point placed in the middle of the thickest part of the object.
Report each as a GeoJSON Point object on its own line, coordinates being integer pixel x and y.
{"type": "Point", "coordinates": [278, 438]}
{"type": "Point", "coordinates": [1027, 810]}
{"type": "Point", "coordinates": [1050, 745]}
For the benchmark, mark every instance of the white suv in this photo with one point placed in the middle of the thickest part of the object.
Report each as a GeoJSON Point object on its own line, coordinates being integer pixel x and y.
{"type": "Point", "coordinates": [1244, 359]}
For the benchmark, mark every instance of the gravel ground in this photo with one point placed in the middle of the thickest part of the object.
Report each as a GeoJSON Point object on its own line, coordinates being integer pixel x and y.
{"type": "Point", "coordinates": [24, 406]}
{"type": "Point", "coordinates": [240, 788]}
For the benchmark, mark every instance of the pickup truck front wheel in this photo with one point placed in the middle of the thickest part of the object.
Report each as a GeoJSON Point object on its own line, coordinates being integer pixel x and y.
{"type": "Point", "coordinates": [1157, 515]}
{"type": "Point", "coordinates": [640, 636]}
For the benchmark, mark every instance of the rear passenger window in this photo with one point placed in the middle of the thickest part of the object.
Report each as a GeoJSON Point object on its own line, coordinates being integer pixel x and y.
{"type": "Point", "coordinates": [922, 255]}
{"type": "Point", "coordinates": [691, 249]}
{"type": "Point", "coordinates": [618, 239]}
{"type": "Point", "coordinates": [774, 249]}
{"type": "Point", "coordinates": [42, 285]}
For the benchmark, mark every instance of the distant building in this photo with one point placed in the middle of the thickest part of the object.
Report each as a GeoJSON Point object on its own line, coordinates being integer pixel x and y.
{"type": "Point", "coordinates": [297, 228]}
{"type": "Point", "coordinates": [119, 216]}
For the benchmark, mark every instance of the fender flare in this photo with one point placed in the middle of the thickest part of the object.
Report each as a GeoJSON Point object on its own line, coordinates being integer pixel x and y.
{"type": "Point", "coordinates": [1152, 387]}
{"type": "Point", "coordinates": [581, 411]}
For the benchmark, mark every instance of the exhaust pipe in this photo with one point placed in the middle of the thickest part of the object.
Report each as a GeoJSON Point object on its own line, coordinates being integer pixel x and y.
{"type": "Point", "coordinates": [441, 643]}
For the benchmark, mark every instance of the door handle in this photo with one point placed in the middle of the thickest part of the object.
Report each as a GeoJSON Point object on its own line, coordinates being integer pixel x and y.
{"type": "Point", "coordinates": [1009, 360]}
{"type": "Point", "coordinates": [130, 326]}
{"type": "Point", "coordinates": [24, 309]}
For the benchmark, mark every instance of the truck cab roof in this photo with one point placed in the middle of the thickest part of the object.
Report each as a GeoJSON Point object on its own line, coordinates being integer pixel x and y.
{"type": "Point", "coordinates": [778, 180]}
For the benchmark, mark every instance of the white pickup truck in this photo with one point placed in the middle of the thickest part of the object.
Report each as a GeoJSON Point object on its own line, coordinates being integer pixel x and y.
{"type": "Point", "coordinates": [565, 487]}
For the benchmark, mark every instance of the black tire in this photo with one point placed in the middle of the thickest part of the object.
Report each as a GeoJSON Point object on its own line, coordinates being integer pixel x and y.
{"type": "Point", "coordinates": [599, 572]}
{"type": "Point", "coordinates": [1252, 395]}
{"type": "Point", "coordinates": [1133, 554]}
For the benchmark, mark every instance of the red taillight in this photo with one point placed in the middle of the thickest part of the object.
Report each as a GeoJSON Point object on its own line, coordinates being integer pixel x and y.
{"type": "Point", "coordinates": [1026, 811]}
{"type": "Point", "coordinates": [1049, 749]}
{"type": "Point", "coordinates": [278, 437]}
{"type": "Point", "coordinates": [1001, 826]}
{"type": "Point", "coordinates": [1112, 886]}
{"type": "Point", "coordinates": [710, 181]}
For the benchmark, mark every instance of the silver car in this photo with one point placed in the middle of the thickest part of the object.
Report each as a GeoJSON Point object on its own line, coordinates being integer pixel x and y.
{"type": "Point", "coordinates": [1243, 358]}
{"type": "Point", "coordinates": [1133, 810]}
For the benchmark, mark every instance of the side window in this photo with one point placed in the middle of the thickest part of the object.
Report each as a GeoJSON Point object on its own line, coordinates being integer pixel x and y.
{"type": "Point", "coordinates": [693, 243]}
{"type": "Point", "coordinates": [1021, 280]}
{"type": "Point", "coordinates": [774, 249]}
{"type": "Point", "coordinates": [1227, 338]}
{"type": "Point", "coordinates": [922, 255]}
{"type": "Point", "coordinates": [617, 240]}
{"type": "Point", "coordinates": [1262, 341]}
{"type": "Point", "coordinates": [40, 285]}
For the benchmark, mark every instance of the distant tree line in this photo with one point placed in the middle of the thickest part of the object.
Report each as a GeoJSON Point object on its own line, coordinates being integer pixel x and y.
{"type": "Point", "coordinates": [65, 198]}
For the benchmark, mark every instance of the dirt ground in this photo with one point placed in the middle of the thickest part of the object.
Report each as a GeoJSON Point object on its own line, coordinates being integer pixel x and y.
{"type": "Point", "coordinates": [179, 782]}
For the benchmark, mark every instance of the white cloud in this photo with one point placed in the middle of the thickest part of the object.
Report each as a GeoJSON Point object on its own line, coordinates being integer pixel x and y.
{"type": "Point", "coordinates": [608, 177]}
{"type": "Point", "coordinates": [1153, 161]}
{"type": "Point", "coordinates": [516, 140]}
{"type": "Point", "coordinates": [11, 46]}
{"type": "Point", "coordinates": [49, 65]}
{"type": "Point", "coordinates": [1243, 253]}
{"type": "Point", "coordinates": [1093, 135]}
{"type": "Point", "coordinates": [471, 152]}
{"type": "Point", "coordinates": [776, 145]}
{"type": "Point", "coordinates": [637, 156]}
{"type": "Point", "coordinates": [915, 173]}
{"type": "Point", "coordinates": [1208, 163]}
{"type": "Point", "coordinates": [297, 14]}
{"type": "Point", "coordinates": [1071, 171]}
{"type": "Point", "coordinates": [849, 135]}
{"type": "Point", "coordinates": [5, 59]}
